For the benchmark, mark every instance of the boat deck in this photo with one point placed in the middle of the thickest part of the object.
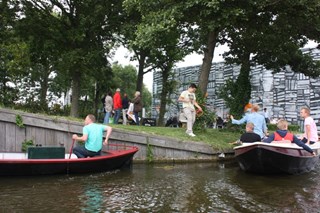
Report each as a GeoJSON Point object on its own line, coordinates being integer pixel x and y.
{"type": "Point", "coordinates": [22, 156]}
{"type": "Point", "coordinates": [283, 145]}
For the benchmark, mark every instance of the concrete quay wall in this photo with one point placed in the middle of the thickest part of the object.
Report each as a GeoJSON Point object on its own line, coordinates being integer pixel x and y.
{"type": "Point", "coordinates": [54, 131]}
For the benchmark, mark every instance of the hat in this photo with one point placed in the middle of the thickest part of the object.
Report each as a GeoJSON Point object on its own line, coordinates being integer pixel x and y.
{"type": "Point", "coordinates": [118, 90]}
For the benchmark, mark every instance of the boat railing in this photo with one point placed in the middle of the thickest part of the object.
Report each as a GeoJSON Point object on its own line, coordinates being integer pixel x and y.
{"type": "Point", "coordinates": [119, 147]}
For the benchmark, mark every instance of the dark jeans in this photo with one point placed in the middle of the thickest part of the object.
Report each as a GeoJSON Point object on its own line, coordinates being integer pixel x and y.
{"type": "Point", "coordinates": [267, 120]}
{"type": "Point", "coordinates": [82, 152]}
{"type": "Point", "coordinates": [136, 116]}
{"type": "Point", "coordinates": [117, 114]}
{"type": "Point", "coordinates": [305, 140]}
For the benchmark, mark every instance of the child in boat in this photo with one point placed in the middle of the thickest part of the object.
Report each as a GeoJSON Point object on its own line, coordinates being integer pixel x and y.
{"type": "Point", "coordinates": [249, 136]}
{"type": "Point", "coordinates": [282, 135]}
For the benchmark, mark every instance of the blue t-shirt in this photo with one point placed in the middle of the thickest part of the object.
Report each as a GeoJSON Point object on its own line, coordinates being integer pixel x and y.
{"type": "Point", "coordinates": [95, 135]}
{"type": "Point", "coordinates": [258, 120]}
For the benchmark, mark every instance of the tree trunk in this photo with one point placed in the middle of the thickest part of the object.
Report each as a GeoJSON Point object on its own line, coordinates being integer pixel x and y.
{"type": "Point", "coordinates": [207, 61]}
{"type": "Point", "coordinates": [243, 83]}
{"type": "Point", "coordinates": [75, 94]}
{"type": "Point", "coordinates": [44, 87]}
{"type": "Point", "coordinates": [240, 90]}
{"type": "Point", "coordinates": [96, 101]}
{"type": "Point", "coordinates": [163, 97]}
{"type": "Point", "coordinates": [4, 99]}
{"type": "Point", "coordinates": [140, 72]}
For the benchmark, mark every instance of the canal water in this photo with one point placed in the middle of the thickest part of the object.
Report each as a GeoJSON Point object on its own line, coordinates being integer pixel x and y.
{"type": "Point", "coordinates": [192, 187]}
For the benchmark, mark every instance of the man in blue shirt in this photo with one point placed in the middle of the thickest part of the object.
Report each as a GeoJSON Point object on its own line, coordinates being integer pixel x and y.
{"type": "Point", "coordinates": [92, 135]}
{"type": "Point", "coordinates": [260, 126]}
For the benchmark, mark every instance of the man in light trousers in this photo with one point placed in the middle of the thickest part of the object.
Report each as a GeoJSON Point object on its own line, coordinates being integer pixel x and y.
{"type": "Point", "coordinates": [188, 99]}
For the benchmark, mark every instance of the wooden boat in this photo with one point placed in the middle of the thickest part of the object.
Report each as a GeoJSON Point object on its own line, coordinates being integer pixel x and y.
{"type": "Point", "coordinates": [272, 158]}
{"type": "Point", "coordinates": [35, 161]}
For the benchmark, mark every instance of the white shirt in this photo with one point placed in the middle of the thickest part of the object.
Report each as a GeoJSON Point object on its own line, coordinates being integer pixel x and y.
{"type": "Point", "coordinates": [190, 97]}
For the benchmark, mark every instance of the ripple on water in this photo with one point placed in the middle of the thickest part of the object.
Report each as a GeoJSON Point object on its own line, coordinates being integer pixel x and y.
{"type": "Point", "coordinates": [174, 188]}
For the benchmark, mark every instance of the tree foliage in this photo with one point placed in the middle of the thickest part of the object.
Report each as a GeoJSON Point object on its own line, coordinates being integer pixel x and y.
{"type": "Point", "coordinates": [50, 46]}
{"type": "Point", "coordinates": [266, 36]}
{"type": "Point", "coordinates": [80, 33]}
{"type": "Point", "coordinates": [163, 36]}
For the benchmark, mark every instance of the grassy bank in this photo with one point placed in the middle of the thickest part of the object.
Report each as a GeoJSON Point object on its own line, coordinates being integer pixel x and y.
{"type": "Point", "coordinates": [216, 138]}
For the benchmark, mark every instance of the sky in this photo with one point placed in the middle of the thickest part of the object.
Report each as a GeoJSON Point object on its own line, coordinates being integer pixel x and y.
{"type": "Point", "coordinates": [122, 56]}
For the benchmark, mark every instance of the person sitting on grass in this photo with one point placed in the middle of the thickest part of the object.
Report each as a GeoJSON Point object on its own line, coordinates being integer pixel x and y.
{"type": "Point", "coordinates": [282, 135]}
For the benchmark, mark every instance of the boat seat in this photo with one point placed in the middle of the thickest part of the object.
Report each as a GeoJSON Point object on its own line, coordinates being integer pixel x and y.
{"type": "Point", "coordinates": [73, 156]}
{"type": "Point", "coordinates": [46, 152]}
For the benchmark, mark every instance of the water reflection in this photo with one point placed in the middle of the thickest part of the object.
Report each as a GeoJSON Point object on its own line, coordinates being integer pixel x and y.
{"type": "Point", "coordinates": [279, 193]}
{"type": "Point", "coordinates": [205, 187]}
{"type": "Point", "coordinates": [91, 199]}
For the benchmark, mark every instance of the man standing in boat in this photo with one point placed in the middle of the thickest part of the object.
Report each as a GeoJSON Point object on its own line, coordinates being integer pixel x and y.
{"type": "Point", "coordinates": [92, 136]}
{"type": "Point", "coordinates": [310, 135]}
{"type": "Point", "coordinates": [260, 126]}
{"type": "Point", "coordinates": [282, 135]}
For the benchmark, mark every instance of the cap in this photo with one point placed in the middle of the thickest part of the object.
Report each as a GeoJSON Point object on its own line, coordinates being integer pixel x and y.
{"type": "Point", "coordinates": [118, 90]}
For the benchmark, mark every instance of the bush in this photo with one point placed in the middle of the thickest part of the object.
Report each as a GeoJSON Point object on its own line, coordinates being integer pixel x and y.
{"type": "Point", "coordinates": [291, 128]}
{"type": "Point", "coordinates": [206, 118]}
{"type": "Point", "coordinates": [234, 128]}
{"type": "Point", "coordinates": [271, 128]}
{"type": "Point", "coordinates": [26, 144]}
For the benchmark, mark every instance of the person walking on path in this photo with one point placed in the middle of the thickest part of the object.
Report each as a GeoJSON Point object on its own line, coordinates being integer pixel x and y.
{"type": "Point", "coordinates": [188, 99]}
{"type": "Point", "coordinates": [117, 106]}
{"type": "Point", "coordinates": [92, 135]}
{"type": "Point", "coordinates": [137, 106]}
{"type": "Point", "coordinates": [108, 106]}
{"type": "Point", "coordinates": [266, 115]}
{"type": "Point", "coordinates": [125, 106]}
{"type": "Point", "coordinates": [260, 126]}
{"type": "Point", "coordinates": [310, 135]}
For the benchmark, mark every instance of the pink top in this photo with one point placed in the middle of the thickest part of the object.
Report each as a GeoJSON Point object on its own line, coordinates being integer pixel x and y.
{"type": "Point", "coordinates": [313, 129]}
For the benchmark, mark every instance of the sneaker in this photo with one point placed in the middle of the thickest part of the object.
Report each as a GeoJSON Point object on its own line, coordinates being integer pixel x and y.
{"type": "Point", "coordinates": [191, 134]}
{"type": "Point", "coordinates": [222, 155]}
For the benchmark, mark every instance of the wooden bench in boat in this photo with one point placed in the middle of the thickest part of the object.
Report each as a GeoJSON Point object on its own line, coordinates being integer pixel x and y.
{"type": "Point", "coordinates": [24, 156]}
{"type": "Point", "coordinates": [46, 152]}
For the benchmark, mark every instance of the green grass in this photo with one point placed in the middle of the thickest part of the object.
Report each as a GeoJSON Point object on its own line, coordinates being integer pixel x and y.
{"type": "Point", "coordinates": [216, 138]}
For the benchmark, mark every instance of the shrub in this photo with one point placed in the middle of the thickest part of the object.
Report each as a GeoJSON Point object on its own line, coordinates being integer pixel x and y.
{"type": "Point", "coordinates": [26, 144]}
